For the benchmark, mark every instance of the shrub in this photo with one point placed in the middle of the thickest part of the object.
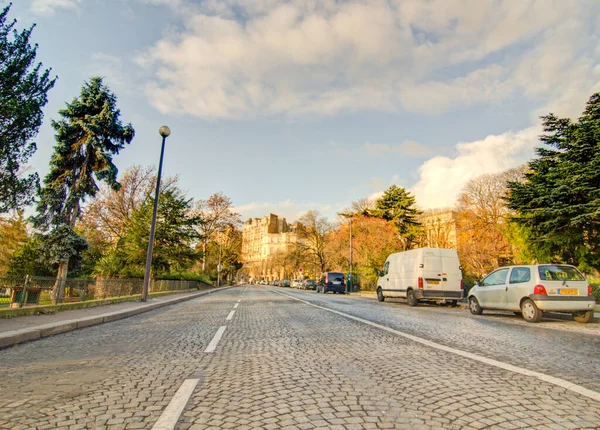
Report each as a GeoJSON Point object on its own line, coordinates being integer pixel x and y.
{"type": "Point", "coordinates": [596, 290]}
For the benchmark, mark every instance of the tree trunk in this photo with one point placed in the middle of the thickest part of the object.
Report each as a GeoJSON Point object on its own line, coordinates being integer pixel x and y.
{"type": "Point", "coordinates": [203, 255]}
{"type": "Point", "coordinates": [58, 292]}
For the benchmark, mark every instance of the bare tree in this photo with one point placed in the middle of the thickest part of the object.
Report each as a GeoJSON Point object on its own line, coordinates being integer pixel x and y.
{"type": "Point", "coordinates": [313, 236]}
{"type": "Point", "coordinates": [216, 215]}
{"type": "Point", "coordinates": [107, 216]}
{"type": "Point", "coordinates": [482, 222]}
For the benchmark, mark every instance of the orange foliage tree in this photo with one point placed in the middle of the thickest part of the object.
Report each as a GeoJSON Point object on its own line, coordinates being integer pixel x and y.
{"type": "Point", "coordinates": [373, 239]}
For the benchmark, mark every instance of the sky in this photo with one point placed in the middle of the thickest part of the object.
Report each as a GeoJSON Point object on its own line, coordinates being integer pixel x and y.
{"type": "Point", "coordinates": [289, 106]}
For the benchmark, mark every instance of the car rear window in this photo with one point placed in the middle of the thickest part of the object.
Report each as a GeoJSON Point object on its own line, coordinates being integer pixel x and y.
{"type": "Point", "coordinates": [559, 273]}
{"type": "Point", "coordinates": [335, 277]}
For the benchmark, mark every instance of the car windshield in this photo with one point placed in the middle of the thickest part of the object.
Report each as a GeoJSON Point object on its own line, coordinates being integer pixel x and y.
{"type": "Point", "coordinates": [559, 273]}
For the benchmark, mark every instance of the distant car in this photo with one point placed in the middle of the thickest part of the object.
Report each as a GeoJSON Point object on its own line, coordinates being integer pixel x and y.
{"type": "Point", "coordinates": [276, 283]}
{"type": "Point", "coordinates": [331, 281]}
{"type": "Point", "coordinates": [530, 290]}
{"type": "Point", "coordinates": [286, 283]}
{"type": "Point", "coordinates": [309, 284]}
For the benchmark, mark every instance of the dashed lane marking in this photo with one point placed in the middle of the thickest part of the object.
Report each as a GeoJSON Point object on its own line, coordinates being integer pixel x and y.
{"type": "Point", "coordinates": [542, 376]}
{"type": "Point", "coordinates": [215, 340]}
{"type": "Point", "coordinates": [236, 306]}
{"type": "Point", "coordinates": [230, 315]}
{"type": "Point", "coordinates": [170, 416]}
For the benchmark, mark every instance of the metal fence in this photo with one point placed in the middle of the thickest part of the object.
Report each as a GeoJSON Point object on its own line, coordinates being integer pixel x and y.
{"type": "Point", "coordinates": [36, 290]}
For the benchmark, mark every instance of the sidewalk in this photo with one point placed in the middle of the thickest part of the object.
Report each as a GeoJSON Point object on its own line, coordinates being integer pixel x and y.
{"type": "Point", "coordinates": [32, 327]}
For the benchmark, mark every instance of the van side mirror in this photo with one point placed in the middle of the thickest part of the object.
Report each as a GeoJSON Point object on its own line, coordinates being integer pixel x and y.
{"type": "Point", "coordinates": [379, 272]}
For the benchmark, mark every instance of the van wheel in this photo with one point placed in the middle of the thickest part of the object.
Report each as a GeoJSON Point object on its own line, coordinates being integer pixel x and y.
{"type": "Point", "coordinates": [474, 306]}
{"type": "Point", "coordinates": [453, 303]}
{"type": "Point", "coordinates": [583, 317]}
{"type": "Point", "coordinates": [412, 300]}
{"type": "Point", "coordinates": [530, 311]}
{"type": "Point", "coordinates": [380, 297]}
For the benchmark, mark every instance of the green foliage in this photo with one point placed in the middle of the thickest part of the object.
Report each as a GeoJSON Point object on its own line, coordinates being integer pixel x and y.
{"type": "Point", "coordinates": [23, 94]}
{"type": "Point", "coordinates": [398, 205]}
{"type": "Point", "coordinates": [175, 233]}
{"type": "Point", "coordinates": [61, 244]}
{"type": "Point", "coordinates": [559, 204]}
{"type": "Point", "coordinates": [27, 260]}
{"type": "Point", "coordinates": [87, 137]}
{"type": "Point", "coordinates": [596, 290]}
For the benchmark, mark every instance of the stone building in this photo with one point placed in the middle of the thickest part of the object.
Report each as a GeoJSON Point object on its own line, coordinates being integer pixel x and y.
{"type": "Point", "coordinates": [266, 242]}
{"type": "Point", "coordinates": [440, 228]}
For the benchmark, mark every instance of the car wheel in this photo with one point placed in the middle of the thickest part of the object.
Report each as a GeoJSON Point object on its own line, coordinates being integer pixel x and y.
{"type": "Point", "coordinates": [412, 300]}
{"type": "Point", "coordinates": [583, 317]}
{"type": "Point", "coordinates": [380, 297]}
{"type": "Point", "coordinates": [474, 306]}
{"type": "Point", "coordinates": [530, 311]}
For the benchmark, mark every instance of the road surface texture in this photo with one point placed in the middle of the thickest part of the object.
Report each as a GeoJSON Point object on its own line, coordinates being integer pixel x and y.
{"type": "Point", "coordinates": [263, 357]}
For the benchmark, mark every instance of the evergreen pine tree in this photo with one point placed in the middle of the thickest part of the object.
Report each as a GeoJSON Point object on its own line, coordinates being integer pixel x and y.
{"type": "Point", "coordinates": [23, 94]}
{"type": "Point", "coordinates": [559, 204]}
{"type": "Point", "coordinates": [88, 135]}
{"type": "Point", "coordinates": [398, 205]}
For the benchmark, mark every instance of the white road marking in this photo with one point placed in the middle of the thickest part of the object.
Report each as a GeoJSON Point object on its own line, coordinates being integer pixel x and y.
{"type": "Point", "coordinates": [236, 305]}
{"type": "Point", "coordinates": [239, 300]}
{"type": "Point", "coordinates": [230, 315]}
{"type": "Point", "coordinates": [542, 376]}
{"type": "Point", "coordinates": [170, 416]}
{"type": "Point", "coordinates": [215, 340]}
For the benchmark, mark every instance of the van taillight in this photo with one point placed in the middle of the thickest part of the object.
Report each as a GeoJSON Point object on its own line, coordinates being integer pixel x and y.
{"type": "Point", "coordinates": [539, 289]}
{"type": "Point", "coordinates": [589, 290]}
{"type": "Point", "coordinates": [420, 283]}
{"type": "Point", "coordinates": [462, 287]}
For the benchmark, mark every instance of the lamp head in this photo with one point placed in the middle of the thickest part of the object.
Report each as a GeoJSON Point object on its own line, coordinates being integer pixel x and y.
{"type": "Point", "coordinates": [164, 131]}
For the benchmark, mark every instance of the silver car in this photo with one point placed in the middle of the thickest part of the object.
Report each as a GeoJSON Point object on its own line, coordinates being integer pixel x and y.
{"type": "Point", "coordinates": [530, 290]}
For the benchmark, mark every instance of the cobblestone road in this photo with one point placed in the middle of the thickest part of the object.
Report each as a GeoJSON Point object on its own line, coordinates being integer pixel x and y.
{"type": "Point", "coordinates": [284, 364]}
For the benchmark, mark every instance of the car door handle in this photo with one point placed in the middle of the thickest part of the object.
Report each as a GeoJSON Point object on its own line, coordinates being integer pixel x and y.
{"type": "Point", "coordinates": [387, 279]}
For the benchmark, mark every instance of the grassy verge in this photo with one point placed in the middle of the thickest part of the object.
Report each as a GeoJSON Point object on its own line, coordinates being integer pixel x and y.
{"type": "Point", "coordinates": [50, 309]}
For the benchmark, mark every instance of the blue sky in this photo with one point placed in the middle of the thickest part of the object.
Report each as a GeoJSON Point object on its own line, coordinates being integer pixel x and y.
{"type": "Point", "coordinates": [287, 106]}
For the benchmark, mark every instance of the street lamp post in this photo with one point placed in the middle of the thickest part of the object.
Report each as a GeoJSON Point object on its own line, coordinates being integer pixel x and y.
{"type": "Point", "coordinates": [164, 131]}
{"type": "Point", "coordinates": [350, 280]}
{"type": "Point", "coordinates": [219, 267]}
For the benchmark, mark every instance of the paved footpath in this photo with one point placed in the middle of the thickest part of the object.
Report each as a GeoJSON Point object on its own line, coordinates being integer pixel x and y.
{"type": "Point", "coordinates": [33, 327]}
{"type": "Point", "coordinates": [255, 357]}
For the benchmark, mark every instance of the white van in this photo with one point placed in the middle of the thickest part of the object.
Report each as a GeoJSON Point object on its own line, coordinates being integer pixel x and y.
{"type": "Point", "coordinates": [421, 274]}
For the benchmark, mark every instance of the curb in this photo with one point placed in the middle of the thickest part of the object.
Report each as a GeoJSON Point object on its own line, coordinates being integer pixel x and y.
{"type": "Point", "coordinates": [14, 337]}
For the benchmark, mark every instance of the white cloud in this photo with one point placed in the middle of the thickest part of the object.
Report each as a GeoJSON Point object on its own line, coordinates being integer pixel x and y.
{"type": "Point", "coordinates": [47, 7]}
{"type": "Point", "coordinates": [109, 67]}
{"type": "Point", "coordinates": [442, 178]}
{"type": "Point", "coordinates": [407, 147]}
{"type": "Point", "coordinates": [306, 57]}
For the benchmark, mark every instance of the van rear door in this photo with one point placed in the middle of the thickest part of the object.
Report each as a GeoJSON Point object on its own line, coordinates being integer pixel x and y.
{"type": "Point", "coordinates": [432, 274]}
{"type": "Point", "coordinates": [451, 276]}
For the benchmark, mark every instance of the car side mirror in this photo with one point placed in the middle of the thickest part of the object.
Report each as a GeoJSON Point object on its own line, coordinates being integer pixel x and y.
{"type": "Point", "coordinates": [477, 284]}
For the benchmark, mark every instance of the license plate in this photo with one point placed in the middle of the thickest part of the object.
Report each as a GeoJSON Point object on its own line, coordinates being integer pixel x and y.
{"type": "Point", "coordinates": [433, 282]}
{"type": "Point", "coordinates": [568, 292]}
{"type": "Point", "coordinates": [337, 283]}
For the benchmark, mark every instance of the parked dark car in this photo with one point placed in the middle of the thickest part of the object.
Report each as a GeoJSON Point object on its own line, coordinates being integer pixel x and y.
{"type": "Point", "coordinates": [309, 284]}
{"type": "Point", "coordinates": [332, 281]}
